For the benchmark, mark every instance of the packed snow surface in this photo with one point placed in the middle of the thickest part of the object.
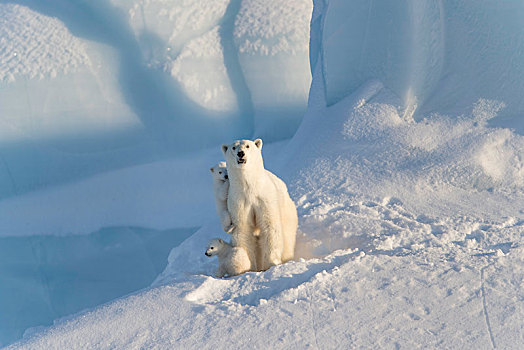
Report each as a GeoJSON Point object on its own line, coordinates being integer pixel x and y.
{"type": "Point", "coordinates": [407, 170]}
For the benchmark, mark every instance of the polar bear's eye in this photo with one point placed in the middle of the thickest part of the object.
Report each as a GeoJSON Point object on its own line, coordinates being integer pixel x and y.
{"type": "Point", "coordinates": [220, 172]}
{"type": "Point", "coordinates": [234, 148]}
{"type": "Point", "coordinates": [247, 146]}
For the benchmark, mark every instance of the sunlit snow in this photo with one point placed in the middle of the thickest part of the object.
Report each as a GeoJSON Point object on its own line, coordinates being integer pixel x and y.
{"type": "Point", "coordinates": [397, 126]}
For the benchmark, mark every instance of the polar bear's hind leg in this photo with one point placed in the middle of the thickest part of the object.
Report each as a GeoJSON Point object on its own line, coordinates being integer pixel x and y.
{"type": "Point", "coordinates": [271, 242]}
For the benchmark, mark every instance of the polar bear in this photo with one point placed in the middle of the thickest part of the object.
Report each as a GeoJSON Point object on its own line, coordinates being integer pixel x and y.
{"type": "Point", "coordinates": [220, 190]}
{"type": "Point", "coordinates": [232, 261]}
{"type": "Point", "coordinates": [263, 215]}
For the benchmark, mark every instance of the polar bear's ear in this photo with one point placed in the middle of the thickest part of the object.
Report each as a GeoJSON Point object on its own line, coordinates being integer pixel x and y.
{"type": "Point", "coordinates": [220, 240]}
{"type": "Point", "coordinates": [258, 143]}
{"type": "Point", "coordinates": [224, 148]}
{"type": "Point", "coordinates": [212, 170]}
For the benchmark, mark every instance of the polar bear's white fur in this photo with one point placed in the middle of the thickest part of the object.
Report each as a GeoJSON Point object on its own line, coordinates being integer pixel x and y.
{"type": "Point", "coordinates": [220, 190]}
{"type": "Point", "coordinates": [232, 261]}
{"type": "Point", "coordinates": [263, 215]}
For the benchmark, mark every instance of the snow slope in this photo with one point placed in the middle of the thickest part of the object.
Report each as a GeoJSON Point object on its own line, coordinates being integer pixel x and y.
{"type": "Point", "coordinates": [410, 201]}
{"type": "Point", "coordinates": [405, 280]}
{"type": "Point", "coordinates": [371, 301]}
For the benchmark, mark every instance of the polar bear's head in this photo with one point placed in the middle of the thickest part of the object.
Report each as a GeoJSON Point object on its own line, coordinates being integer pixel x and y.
{"type": "Point", "coordinates": [219, 172]}
{"type": "Point", "coordinates": [215, 246]}
{"type": "Point", "coordinates": [243, 153]}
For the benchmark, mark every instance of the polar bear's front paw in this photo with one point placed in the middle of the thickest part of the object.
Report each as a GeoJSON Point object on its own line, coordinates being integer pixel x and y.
{"type": "Point", "coordinates": [226, 222]}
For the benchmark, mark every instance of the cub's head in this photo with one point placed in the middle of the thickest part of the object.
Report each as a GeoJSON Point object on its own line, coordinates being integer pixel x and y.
{"type": "Point", "coordinates": [243, 153]}
{"type": "Point", "coordinates": [219, 172]}
{"type": "Point", "coordinates": [214, 247]}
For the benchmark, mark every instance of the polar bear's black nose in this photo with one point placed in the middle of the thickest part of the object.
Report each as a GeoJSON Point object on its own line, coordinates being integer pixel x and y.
{"type": "Point", "coordinates": [240, 154]}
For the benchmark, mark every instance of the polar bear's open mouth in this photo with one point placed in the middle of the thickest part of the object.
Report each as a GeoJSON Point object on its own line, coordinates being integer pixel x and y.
{"type": "Point", "coordinates": [241, 161]}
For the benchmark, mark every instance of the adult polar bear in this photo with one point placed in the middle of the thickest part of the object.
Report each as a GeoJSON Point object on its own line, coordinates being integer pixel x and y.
{"type": "Point", "coordinates": [264, 216]}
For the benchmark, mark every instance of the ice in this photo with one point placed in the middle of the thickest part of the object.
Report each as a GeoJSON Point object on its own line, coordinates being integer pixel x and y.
{"type": "Point", "coordinates": [43, 278]}
{"type": "Point", "coordinates": [273, 55]}
{"type": "Point", "coordinates": [63, 113]}
{"type": "Point", "coordinates": [435, 55]}
{"type": "Point", "coordinates": [203, 74]}
{"type": "Point", "coordinates": [406, 169]}
{"type": "Point", "coordinates": [246, 58]}
{"type": "Point", "coordinates": [54, 51]}
{"type": "Point", "coordinates": [156, 195]}
{"type": "Point", "coordinates": [164, 27]}
{"type": "Point", "coordinates": [88, 87]}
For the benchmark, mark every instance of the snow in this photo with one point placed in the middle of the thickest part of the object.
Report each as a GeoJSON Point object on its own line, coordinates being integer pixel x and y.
{"type": "Point", "coordinates": [270, 27]}
{"type": "Point", "coordinates": [407, 171]}
{"type": "Point", "coordinates": [163, 27]}
{"type": "Point", "coordinates": [248, 59]}
{"type": "Point", "coordinates": [61, 105]}
{"type": "Point", "coordinates": [53, 51]}
{"type": "Point", "coordinates": [48, 277]}
{"type": "Point", "coordinates": [437, 56]}
{"type": "Point", "coordinates": [211, 88]}
{"type": "Point", "coordinates": [367, 300]}
{"type": "Point", "coordinates": [90, 87]}
{"type": "Point", "coordinates": [273, 55]}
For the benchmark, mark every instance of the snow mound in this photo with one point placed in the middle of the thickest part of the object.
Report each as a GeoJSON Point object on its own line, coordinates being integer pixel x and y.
{"type": "Point", "coordinates": [433, 165]}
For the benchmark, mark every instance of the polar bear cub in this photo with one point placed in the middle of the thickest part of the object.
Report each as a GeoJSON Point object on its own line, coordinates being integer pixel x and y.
{"type": "Point", "coordinates": [232, 261]}
{"type": "Point", "coordinates": [220, 190]}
